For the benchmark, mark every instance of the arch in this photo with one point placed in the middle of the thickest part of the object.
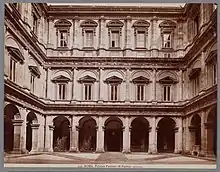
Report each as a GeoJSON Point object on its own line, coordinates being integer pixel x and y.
{"type": "Point", "coordinates": [195, 131]}
{"type": "Point", "coordinates": [139, 135]}
{"type": "Point", "coordinates": [87, 134]}
{"type": "Point", "coordinates": [141, 23]}
{"type": "Point", "coordinates": [31, 119]}
{"type": "Point", "coordinates": [11, 112]}
{"type": "Point", "coordinates": [211, 52]}
{"type": "Point", "coordinates": [139, 73]}
{"type": "Point", "coordinates": [10, 41]}
{"type": "Point", "coordinates": [64, 73]}
{"type": "Point", "coordinates": [61, 134]}
{"type": "Point", "coordinates": [117, 73]}
{"type": "Point", "coordinates": [89, 23]}
{"type": "Point", "coordinates": [113, 134]}
{"type": "Point", "coordinates": [164, 74]}
{"type": "Point", "coordinates": [115, 23]}
{"type": "Point", "coordinates": [211, 126]}
{"type": "Point", "coordinates": [91, 73]}
{"type": "Point", "coordinates": [166, 135]}
{"type": "Point", "coordinates": [167, 23]}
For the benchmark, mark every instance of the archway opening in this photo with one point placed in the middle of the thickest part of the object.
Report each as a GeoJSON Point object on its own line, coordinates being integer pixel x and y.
{"type": "Point", "coordinates": [212, 132]}
{"type": "Point", "coordinates": [113, 134]}
{"type": "Point", "coordinates": [9, 112]}
{"type": "Point", "coordinates": [31, 118]}
{"type": "Point", "coordinates": [61, 134]}
{"type": "Point", "coordinates": [139, 135]}
{"type": "Point", "coordinates": [196, 132]}
{"type": "Point", "coordinates": [87, 134]}
{"type": "Point", "coordinates": [166, 135]}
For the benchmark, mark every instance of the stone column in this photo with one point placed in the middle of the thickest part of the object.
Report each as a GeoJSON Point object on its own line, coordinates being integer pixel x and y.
{"type": "Point", "coordinates": [209, 139]}
{"type": "Point", "coordinates": [74, 135]}
{"type": "Point", "coordinates": [126, 136]}
{"type": "Point", "coordinates": [180, 136]}
{"type": "Point", "coordinates": [35, 129]}
{"type": "Point", "coordinates": [181, 85]}
{"type": "Point", "coordinates": [187, 136]}
{"type": "Point", "coordinates": [154, 85]}
{"type": "Point", "coordinates": [100, 136]}
{"type": "Point", "coordinates": [203, 134]}
{"type": "Point", "coordinates": [51, 129]}
{"type": "Point", "coordinates": [127, 92]}
{"type": "Point", "coordinates": [203, 76]}
{"type": "Point", "coordinates": [74, 85]}
{"type": "Point", "coordinates": [128, 40]}
{"type": "Point", "coordinates": [101, 85]}
{"type": "Point", "coordinates": [17, 135]}
{"type": "Point", "coordinates": [154, 48]}
{"type": "Point", "coordinates": [153, 137]}
{"type": "Point", "coordinates": [50, 33]}
{"type": "Point", "coordinates": [176, 130]}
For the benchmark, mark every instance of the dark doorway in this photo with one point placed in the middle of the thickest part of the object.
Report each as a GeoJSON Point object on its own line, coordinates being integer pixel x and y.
{"type": "Point", "coordinates": [61, 134]}
{"type": "Point", "coordinates": [166, 135]}
{"type": "Point", "coordinates": [113, 135]}
{"type": "Point", "coordinates": [9, 112]}
{"type": "Point", "coordinates": [212, 131]}
{"type": "Point", "coordinates": [31, 118]}
{"type": "Point", "coordinates": [196, 124]}
{"type": "Point", "coordinates": [87, 134]}
{"type": "Point", "coordinates": [139, 135]}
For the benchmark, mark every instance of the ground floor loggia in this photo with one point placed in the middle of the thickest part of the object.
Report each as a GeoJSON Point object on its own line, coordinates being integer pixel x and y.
{"type": "Point", "coordinates": [26, 131]}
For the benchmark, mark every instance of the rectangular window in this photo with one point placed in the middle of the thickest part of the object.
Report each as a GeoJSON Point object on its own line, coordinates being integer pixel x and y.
{"type": "Point", "coordinates": [12, 70]}
{"type": "Point", "coordinates": [89, 39]}
{"type": "Point", "coordinates": [32, 83]}
{"type": "Point", "coordinates": [166, 93]}
{"type": "Point", "coordinates": [115, 39]}
{"type": "Point", "coordinates": [167, 40]}
{"type": "Point", "coordinates": [214, 74]}
{"type": "Point", "coordinates": [141, 39]}
{"type": "Point", "coordinates": [140, 92]}
{"type": "Point", "coordinates": [195, 86]}
{"type": "Point", "coordinates": [35, 23]}
{"type": "Point", "coordinates": [196, 25]}
{"type": "Point", "coordinates": [114, 92]}
{"type": "Point", "coordinates": [88, 92]}
{"type": "Point", "coordinates": [62, 91]}
{"type": "Point", "coordinates": [63, 38]}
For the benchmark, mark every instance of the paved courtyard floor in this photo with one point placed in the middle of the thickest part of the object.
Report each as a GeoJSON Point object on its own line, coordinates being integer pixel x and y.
{"type": "Point", "coordinates": [65, 159]}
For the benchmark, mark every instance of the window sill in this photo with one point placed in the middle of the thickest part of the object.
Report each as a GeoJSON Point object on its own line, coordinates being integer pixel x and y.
{"type": "Point", "coordinates": [88, 48]}
{"type": "Point", "coordinates": [62, 48]}
{"type": "Point", "coordinates": [114, 48]}
{"type": "Point", "coordinates": [140, 48]}
{"type": "Point", "coordinates": [167, 49]}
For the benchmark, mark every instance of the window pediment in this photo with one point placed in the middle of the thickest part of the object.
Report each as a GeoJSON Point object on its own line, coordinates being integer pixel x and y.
{"type": "Point", "coordinates": [89, 23]}
{"type": "Point", "coordinates": [140, 79]}
{"type": "Point", "coordinates": [15, 52]}
{"type": "Point", "coordinates": [87, 79]}
{"type": "Point", "coordinates": [35, 71]}
{"type": "Point", "coordinates": [212, 56]}
{"type": "Point", "coordinates": [113, 79]}
{"type": "Point", "coordinates": [63, 23]}
{"type": "Point", "coordinates": [194, 72]}
{"type": "Point", "coordinates": [167, 24]}
{"type": "Point", "coordinates": [115, 23]}
{"type": "Point", "coordinates": [168, 80]}
{"type": "Point", "coordinates": [141, 23]}
{"type": "Point", "coordinates": [60, 78]}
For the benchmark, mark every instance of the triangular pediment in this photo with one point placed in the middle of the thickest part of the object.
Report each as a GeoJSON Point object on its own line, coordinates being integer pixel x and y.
{"type": "Point", "coordinates": [114, 79]}
{"type": "Point", "coordinates": [60, 78]}
{"type": "Point", "coordinates": [35, 71]}
{"type": "Point", "coordinates": [15, 52]}
{"type": "Point", "coordinates": [140, 79]}
{"type": "Point", "coordinates": [87, 78]}
{"type": "Point", "coordinates": [168, 80]}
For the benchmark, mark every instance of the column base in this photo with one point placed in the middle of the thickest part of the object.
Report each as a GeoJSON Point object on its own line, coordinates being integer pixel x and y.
{"type": "Point", "coordinates": [99, 151]}
{"type": "Point", "coordinates": [126, 151]}
{"type": "Point", "coordinates": [100, 101]}
{"type": "Point", "coordinates": [33, 152]}
{"type": "Point", "coordinates": [16, 151]}
{"type": "Point", "coordinates": [74, 149]}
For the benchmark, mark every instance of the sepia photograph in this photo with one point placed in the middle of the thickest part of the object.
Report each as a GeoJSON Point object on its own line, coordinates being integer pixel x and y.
{"type": "Point", "coordinates": [110, 85]}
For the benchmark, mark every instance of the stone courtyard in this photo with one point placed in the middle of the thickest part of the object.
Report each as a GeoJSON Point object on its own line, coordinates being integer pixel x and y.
{"type": "Point", "coordinates": [105, 158]}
